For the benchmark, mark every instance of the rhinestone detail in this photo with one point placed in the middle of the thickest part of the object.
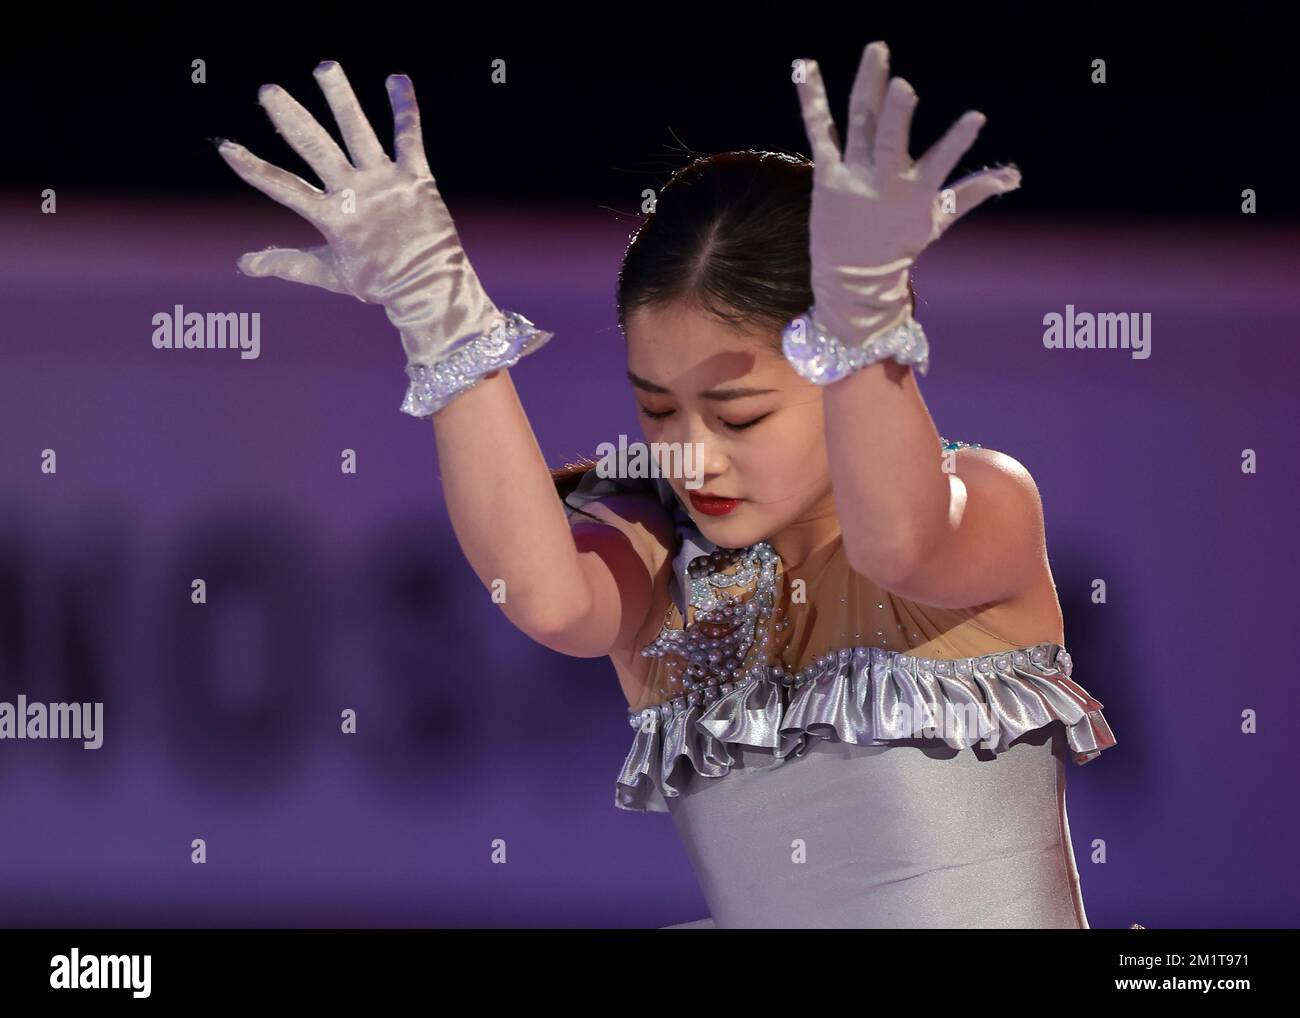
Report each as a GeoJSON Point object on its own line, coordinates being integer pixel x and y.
{"type": "Point", "coordinates": [822, 358]}
{"type": "Point", "coordinates": [433, 386]}
{"type": "Point", "coordinates": [726, 627]}
{"type": "Point", "coordinates": [717, 645]}
{"type": "Point", "coordinates": [879, 660]}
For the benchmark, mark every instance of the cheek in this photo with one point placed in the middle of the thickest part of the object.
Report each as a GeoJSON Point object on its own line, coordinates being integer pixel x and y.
{"type": "Point", "coordinates": [787, 458]}
{"type": "Point", "coordinates": [801, 439]}
{"type": "Point", "coordinates": [793, 458]}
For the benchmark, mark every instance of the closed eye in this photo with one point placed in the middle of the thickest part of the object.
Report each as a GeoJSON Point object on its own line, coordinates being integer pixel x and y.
{"type": "Point", "coordinates": [660, 415]}
{"type": "Point", "coordinates": [747, 424]}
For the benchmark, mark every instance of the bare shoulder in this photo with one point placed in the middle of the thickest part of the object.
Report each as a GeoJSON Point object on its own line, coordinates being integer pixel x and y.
{"type": "Point", "coordinates": [1007, 489]}
{"type": "Point", "coordinates": [978, 458]}
{"type": "Point", "coordinates": [1003, 480]}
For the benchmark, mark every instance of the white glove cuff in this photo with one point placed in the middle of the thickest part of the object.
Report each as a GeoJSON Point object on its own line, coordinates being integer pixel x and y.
{"type": "Point", "coordinates": [433, 386]}
{"type": "Point", "coordinates": [822, 358]}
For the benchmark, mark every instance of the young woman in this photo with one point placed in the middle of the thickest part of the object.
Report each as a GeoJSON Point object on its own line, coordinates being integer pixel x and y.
{"type": "Point", "coordinates": [843, 653]}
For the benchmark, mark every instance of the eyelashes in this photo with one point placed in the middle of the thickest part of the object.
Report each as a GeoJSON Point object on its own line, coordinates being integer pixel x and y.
{"type": "Point", "coordinates": [660, 415]}
{"type": "Point", "coordinates": [747, 424]}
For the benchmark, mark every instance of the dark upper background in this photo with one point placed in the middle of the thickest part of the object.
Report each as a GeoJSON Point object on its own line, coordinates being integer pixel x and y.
{"type": "Point", "coordinates": [602, 101]}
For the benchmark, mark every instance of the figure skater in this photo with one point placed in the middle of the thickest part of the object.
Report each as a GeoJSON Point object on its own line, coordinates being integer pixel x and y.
{"type": "Point", "coordinates": [843, 654]}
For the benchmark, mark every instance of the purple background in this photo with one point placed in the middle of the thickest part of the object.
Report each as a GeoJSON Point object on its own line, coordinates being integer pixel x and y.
{"type": "Point", "coordinates": [329, 591]}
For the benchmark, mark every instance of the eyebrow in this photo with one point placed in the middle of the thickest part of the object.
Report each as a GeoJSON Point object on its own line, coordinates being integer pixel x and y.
{"type": "Point", "coordinates": [720, 395]}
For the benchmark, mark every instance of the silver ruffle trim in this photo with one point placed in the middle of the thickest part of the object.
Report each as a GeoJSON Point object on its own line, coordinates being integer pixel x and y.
{"type": "Point", "coordinates": [433, 386]}
{"type": "Point", "coordinates": [854, 695]}
{"type": "Point", "coordinates": [822, 358]}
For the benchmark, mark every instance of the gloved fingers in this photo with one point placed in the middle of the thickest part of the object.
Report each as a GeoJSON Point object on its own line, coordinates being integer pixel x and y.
{"type": "Point", "coordinates": [817, 119]}
{"type": "Point", "coordinates": [313, 267]}
{"type": "Point", "coordinates": [408, 139]}
{"type": "Point", "coordinates": [865, 102]}
{"type": "Point", "coordinates": [972, 190]}
{"type": "Point", "coordinates": [890, 153]}
{"type": "Point", "coordinates": [287, 188]}
{"type": "Point", "coordinates": [357, 132]}
{"type": "Point", "coordinates": [942, 156]}
{"type": "Point", "coordinates": [300, 129]}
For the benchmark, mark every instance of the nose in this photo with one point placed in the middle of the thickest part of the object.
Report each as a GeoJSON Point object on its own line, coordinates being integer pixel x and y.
{"type": "Point", "coordinates": [703, 454]}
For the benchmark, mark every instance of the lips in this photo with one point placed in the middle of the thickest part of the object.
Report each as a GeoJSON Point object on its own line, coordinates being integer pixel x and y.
{"type": "Point", "coordinates": [711, 505]}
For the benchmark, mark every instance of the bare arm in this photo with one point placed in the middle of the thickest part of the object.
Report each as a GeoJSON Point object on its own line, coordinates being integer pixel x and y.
{"type": "Point", "coordinates": [580, 591]}
{"type": "Point", "coordinates": [391, 241]}
{"type": "Point", "coordinates": [948, 539]}
{"type": "Point", "coordinates": [941, 537]}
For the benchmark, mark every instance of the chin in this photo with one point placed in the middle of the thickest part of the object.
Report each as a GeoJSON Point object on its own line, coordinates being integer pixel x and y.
{"type": "Point", "coordinates": [729, 532]}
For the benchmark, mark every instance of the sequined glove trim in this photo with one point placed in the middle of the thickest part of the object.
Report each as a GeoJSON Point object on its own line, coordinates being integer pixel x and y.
{"type": "Point", "coordinates": [433, 386]}
{"type": "Point", "coordinates": [822, 358]}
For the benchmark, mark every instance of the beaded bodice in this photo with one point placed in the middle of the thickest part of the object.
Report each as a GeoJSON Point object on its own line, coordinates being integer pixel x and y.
{"type": "Point", "coordinates": [751, 657]}
{"type": "Point", "coordinates": [732, 594]}
{"type": "Point", "coordinates": [744, 624]}
{"type": "Point", "coordinates": [741, 622]}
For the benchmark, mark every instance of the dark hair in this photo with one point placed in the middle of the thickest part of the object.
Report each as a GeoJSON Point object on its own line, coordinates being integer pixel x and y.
{"type": "Point", "coordinates": [566, 478]}
{"type": "Point", "coordinates": [729, 234]}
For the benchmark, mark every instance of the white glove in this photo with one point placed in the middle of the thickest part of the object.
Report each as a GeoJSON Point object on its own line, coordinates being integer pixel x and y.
{"type": "Point", "coordinates": [874, 210]}
{"type": "Point", "coordinates": [390, 238]}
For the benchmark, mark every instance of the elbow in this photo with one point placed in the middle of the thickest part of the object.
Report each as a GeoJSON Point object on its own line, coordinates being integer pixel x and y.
{"type": "Point", "coordinates": [547, 624]}
{"type": "Point", "coordinates": [559, 624]}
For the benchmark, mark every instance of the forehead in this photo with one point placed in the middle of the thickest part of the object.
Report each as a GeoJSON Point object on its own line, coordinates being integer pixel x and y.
{"type": "Point", "coordinates": [686, 349]}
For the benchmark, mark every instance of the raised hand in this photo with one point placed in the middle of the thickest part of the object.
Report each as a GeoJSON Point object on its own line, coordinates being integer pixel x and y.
{"type": "Point", "coordinates": [874, 210]}
{"type": "Point", "coordinates": [390, 239]}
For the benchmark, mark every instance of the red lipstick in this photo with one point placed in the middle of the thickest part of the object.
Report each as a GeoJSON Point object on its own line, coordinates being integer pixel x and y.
{"type": "Point", "coordinates": [712, 505]}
